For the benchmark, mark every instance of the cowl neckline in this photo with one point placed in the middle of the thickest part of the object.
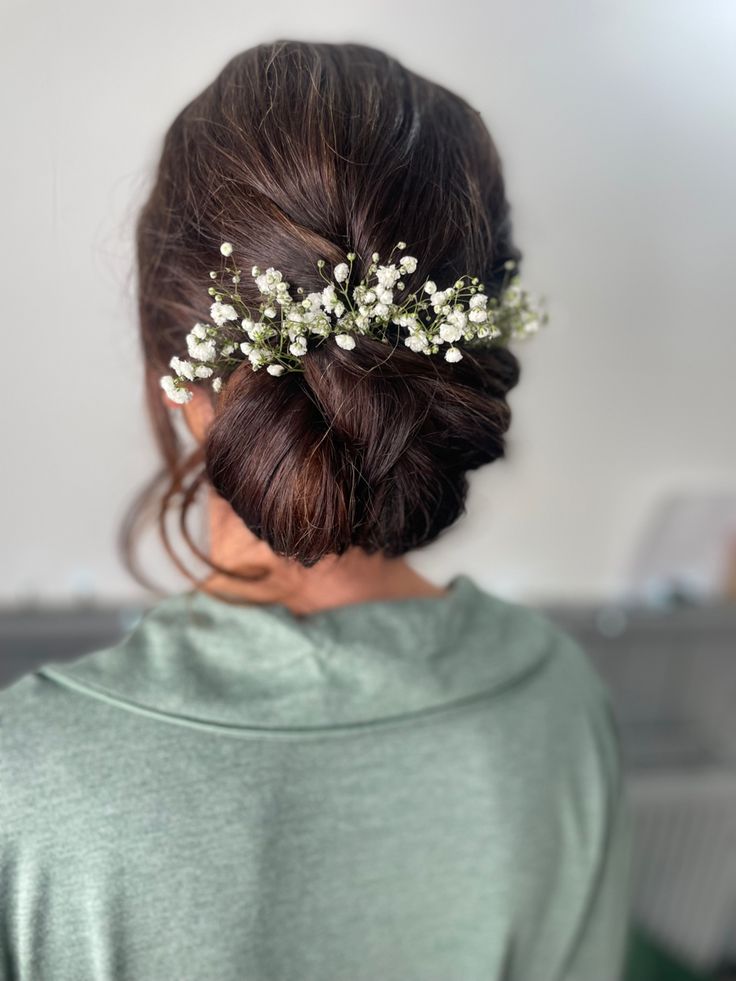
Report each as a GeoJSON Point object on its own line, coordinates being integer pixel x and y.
{"type": "Point", "coordinates": [199, 660]}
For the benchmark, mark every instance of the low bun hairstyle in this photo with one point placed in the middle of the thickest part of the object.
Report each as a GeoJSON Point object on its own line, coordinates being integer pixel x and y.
{"type": "Point", "coordinates": [304, 151]}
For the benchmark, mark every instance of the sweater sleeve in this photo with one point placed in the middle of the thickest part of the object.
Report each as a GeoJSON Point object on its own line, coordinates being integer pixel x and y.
{"type": "Point", "coordinates": [575, 837]}
{"type": "Point", "coordinates": [598, 945]}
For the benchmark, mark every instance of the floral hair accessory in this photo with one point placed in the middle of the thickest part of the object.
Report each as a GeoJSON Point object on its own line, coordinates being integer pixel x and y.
{"type": "Point", "coordinates": [278, 335]}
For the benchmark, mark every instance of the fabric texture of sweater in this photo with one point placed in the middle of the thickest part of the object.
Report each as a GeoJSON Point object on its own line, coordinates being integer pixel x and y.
{"type": "Point", "coordinates": [421, 789]}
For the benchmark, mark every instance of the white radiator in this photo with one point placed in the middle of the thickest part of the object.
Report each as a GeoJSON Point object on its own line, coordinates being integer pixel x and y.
{"type": "Point", "coordinates": [685, 860]}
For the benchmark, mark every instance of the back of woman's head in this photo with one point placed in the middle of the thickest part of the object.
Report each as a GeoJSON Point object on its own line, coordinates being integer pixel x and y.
{"type": "Point", "coordinates": [298, 152]}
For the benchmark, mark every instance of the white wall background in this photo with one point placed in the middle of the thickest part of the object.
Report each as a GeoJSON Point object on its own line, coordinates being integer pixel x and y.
{"type": "Point", "coordinates": [615, 121]}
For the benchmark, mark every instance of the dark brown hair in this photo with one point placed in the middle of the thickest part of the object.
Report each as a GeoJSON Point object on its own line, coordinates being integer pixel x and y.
{"type": "Point", "coordinates": [298, 152]}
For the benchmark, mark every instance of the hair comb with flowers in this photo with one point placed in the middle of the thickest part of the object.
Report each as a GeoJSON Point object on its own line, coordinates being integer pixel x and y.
{"type": "Point", "coordinates": [278, 335]}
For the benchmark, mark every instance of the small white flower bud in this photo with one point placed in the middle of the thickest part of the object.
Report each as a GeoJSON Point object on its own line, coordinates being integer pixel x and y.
{"type": "Point", "coordinates": [176, 394]}
{"type": "Point", "coordinates": [417, 342]}
{"type": "Point", "coordinates": [221, 312]}
{"type": "Point", "coordinates": [450, 332]}
{"type": "Point", "coordinates": [226, 248]}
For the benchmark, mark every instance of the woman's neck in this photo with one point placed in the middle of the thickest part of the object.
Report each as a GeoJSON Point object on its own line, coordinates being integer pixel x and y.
{"type": "Point", "coordinates": [353, 577]}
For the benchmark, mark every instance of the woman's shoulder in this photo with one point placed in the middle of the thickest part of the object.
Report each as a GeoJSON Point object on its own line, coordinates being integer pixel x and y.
{"type": "Point", "coordinates": [531, 633]}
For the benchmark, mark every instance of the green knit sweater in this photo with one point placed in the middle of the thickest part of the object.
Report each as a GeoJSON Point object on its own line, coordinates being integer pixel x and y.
{"type": "Point", "coordinates": [423, 789]}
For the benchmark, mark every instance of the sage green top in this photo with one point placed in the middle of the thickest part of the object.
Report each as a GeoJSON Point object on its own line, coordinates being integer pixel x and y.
{"type": "Point", "coordinates": [422, 789]}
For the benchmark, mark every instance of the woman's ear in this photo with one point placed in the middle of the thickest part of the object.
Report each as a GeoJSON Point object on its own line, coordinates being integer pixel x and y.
{"type": "Point", "coordinates": [198, 412]}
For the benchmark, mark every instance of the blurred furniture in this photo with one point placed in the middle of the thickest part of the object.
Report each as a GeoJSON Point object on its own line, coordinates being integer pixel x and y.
{"type": "Point", "coordinates": [672, 677]}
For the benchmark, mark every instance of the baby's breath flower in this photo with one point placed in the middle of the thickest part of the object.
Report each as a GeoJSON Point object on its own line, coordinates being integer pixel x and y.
{"type": "Point", "coordinates": [450, 332]}
{"type": "Point", "coordinates": [278, 329]}
{"type": "Point", "coordinates": [329, 298]}
{"type": "Point", "coordinates": [387, 276]}
{"type": "Point", "coordinates": [417, 342]}
{"type": "Point", "coordinates": [262, 332]}
{"type": "Point", "coordinates": [458, 318]}
{"type": "Point", "coordinates": [201, 350]}
{"type": "Point", "coordinates": [222, 312]}
{"type": "Point", "coordinates": [184, 369]}
{"type": "Point", "coordinates": [299, 347]}
{"type": "Point", "coordinates": [269, 281]}
{"type": "Point", "coordinates": [257, 357]}
{"type": "Point", "coordinates": [174, 390]}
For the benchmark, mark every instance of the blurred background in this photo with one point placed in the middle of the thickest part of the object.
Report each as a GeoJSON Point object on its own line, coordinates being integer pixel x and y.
{"type": "Point", "coordinates": [615, 509]}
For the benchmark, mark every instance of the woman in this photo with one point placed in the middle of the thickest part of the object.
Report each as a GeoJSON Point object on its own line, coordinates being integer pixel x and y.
{"type": "Point", "coordinates": [316, 763]}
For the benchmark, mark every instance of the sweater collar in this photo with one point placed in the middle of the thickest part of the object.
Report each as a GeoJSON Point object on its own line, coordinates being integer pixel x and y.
{"type": "Point", "coordinates": [196, 659]}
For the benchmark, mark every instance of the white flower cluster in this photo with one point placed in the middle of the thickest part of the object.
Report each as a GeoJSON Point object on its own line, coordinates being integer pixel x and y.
{"type": "Point", "coordinates": [278, 335]}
